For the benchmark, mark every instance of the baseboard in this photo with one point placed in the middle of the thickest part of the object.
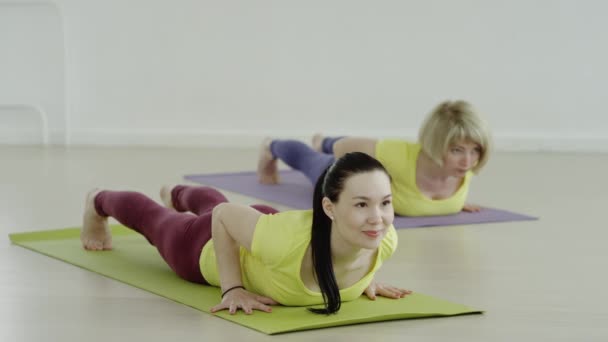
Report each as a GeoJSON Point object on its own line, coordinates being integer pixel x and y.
{"type": "Point", "coordinates": [552, 143]}
{"type": "Point", "coordinates": [244, 139]}
{"type": "Point", "coordinates": [234, 139]}
{"type": "Point", "coordinates": [247, 139]}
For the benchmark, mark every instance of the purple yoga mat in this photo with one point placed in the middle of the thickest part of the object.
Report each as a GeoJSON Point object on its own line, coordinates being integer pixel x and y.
{"type": "Point", "coordinates": [296, 191]}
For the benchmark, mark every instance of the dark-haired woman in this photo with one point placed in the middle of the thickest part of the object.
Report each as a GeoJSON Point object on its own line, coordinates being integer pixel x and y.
{"type": "Point", "coordinates": [257, 256]}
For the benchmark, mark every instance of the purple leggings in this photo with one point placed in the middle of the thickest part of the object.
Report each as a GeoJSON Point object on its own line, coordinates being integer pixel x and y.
{"type": "Point", "coordinates": [301, 157]}
{"type": "Point", "coordinates": [327, 145]}
{"type": "Point", "coordinates": [178, 236]}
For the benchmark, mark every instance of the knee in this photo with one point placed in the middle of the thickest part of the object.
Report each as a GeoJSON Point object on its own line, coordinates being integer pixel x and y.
{"type": "Point", "coordinates": [216, 219]}
{"type": "Point", "coordinates": [218, 211]}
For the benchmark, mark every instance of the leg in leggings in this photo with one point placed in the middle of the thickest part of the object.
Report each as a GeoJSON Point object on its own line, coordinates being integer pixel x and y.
{"type": "Point", "coordinates": [200, 200]}
{"type": "Point", "coordinates": [179, 237]}
{"type": "Point", "coordinates": [327, 145]}
{"type": "Point", "coordinates": [301, 157]}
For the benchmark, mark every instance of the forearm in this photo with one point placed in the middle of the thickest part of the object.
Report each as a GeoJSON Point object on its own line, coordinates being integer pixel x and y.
{"type": "Point", "coordinates": [227, 255]}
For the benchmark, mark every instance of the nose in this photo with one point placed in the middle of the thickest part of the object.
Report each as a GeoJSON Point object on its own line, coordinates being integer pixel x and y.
{"type": "Point", "coordinates": [375, 216]}
{"type": "Point", "coordinates": [467, 160]}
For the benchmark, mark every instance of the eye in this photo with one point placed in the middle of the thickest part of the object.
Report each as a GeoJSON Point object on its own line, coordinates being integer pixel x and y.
{"type": "Point", "coordinates": [387, 202]}
{"type": "Point", "coordinates": [361, 205]}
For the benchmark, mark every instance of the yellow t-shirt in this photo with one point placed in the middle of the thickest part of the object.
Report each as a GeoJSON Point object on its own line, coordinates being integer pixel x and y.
{"type": "Point", "coordinates": [400, 158]}
{"type": "Point", "coordinates": [272, 268]}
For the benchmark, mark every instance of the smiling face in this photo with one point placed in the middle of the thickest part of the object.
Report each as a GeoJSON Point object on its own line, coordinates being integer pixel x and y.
{"type": "Point", "coordinates": [461, 157]}
{"type": "Point", "coordinates": [363, 211]}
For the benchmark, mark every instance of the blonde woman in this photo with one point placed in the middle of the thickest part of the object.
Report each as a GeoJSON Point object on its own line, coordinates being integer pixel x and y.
{"type": "Point", "coordinates": [429, 177]}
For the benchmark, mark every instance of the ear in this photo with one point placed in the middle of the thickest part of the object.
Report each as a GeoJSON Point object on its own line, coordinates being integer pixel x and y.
{"type": "Point", "coordinates": [328, 207]}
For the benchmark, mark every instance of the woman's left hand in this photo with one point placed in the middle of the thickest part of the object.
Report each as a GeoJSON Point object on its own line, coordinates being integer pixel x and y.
{"type": "Point", "coordinates": [471, 208]}
{"type": "Point", "coordinates": [384, 290]}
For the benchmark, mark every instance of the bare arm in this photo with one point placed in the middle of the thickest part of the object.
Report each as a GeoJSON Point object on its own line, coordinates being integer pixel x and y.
{"type": "Point", "coordinates": [354, 144]}
{"type": "Point", "coordinates": [233, 226]}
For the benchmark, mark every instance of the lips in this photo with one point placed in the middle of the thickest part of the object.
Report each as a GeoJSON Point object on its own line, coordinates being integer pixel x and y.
{"type": "Point", "coordinates": [372, 233]}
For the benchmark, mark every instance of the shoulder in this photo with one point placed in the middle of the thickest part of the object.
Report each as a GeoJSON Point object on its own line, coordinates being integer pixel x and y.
{"type": "Point", "coordinates": [276, 235]}
{"type": "Point", "coordinates": [389, 243]}
{"type": "Point", "coordinates": [390, 146]}
{"type": "Point", "coordinates": [466, 182]}
{"type": "Point", "coordinates": [396, 155]}
{"type": "Point", "coordinates": [292, 218]}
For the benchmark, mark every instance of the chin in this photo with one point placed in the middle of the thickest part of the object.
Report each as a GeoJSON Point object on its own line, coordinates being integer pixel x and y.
{"type": "Point", "coordinates": [372, 244]}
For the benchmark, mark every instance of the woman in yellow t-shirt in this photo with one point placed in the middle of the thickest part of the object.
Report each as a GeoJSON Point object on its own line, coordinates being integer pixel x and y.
{"type": "Point", "coordinates": [428, 178]}
{"type": "Point", "coordinates": [257, 256]}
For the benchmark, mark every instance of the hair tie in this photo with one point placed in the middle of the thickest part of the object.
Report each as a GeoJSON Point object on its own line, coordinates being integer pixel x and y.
{"type": "Point", "coordinates": [232, 288]}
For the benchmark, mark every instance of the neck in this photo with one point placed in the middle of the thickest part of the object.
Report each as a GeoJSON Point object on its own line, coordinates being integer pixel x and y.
{"type": "Point", "coordinates": [429, 169]}
{"type": "Point", "coordinates": [342, 252]}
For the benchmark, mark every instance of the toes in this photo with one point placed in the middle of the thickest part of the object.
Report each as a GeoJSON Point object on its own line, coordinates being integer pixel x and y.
{"type": "Point", "coordinates": [95, 245]}
{"type": "Point", "coordinates": [107, 245]}
{"type": "Point", "coordinates": [90, 245]}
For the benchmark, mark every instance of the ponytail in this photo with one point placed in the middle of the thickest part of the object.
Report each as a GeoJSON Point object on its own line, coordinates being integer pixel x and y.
{"type": "Point", "coordinates": [320, 242]}
{"type": "Point", "coordinates": [331, 184]}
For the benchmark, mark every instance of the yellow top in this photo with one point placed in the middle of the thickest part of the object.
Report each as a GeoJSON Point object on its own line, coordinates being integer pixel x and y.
{"type": "Point", "coordinates": [400, 158]}
{"type": "Point", "coordinates": [272, 268]}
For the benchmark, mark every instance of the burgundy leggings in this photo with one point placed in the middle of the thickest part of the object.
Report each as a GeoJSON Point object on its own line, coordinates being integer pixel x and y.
{"type": "Point", "coordinates": [178, 236]}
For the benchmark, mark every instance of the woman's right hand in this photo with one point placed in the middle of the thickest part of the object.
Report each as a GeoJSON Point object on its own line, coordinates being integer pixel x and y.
{"type": "Point", "coordinates": [244, 300]}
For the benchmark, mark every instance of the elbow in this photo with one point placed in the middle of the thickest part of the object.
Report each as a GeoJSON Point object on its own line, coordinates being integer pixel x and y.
{"type": "Point", "coordinates": [217, 218]}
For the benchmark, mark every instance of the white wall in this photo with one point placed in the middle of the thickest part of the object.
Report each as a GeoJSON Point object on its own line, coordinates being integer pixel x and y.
{"type": "Point", "coordinates": [32, 75]}
{"type": "Point", "coordinates": [195, 72]}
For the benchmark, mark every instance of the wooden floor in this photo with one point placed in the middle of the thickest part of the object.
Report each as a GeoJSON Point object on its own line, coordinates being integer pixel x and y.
{"type": "Point", "coordinates": [543, 280]}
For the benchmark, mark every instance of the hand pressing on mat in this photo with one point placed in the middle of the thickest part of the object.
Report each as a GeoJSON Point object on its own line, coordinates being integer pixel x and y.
{"type": "Point", "coordinates": [237, 298]}
{"type": "Point", "coordinates": [378, 289]}
{"type": "Point", "coordinates": [471, 208]}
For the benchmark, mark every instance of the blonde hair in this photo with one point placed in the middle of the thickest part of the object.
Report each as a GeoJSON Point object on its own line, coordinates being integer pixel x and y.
{"type": "Point", "coordinates": [451, 122]}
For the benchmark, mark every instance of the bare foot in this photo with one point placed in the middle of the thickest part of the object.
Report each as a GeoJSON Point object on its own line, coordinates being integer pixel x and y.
{"type": "Point", "coordinates": [317, 142]}
{"type": "Point", "coordinates": [95, 234]}
{"type": "Point", "coordinates": [165, 196]}
{"type": "Point", "coordinates": [268, 170]}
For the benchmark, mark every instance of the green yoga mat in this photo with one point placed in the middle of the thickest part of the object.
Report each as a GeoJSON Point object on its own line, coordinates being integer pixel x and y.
{"type": "Point", "coordinates": [134, 261]}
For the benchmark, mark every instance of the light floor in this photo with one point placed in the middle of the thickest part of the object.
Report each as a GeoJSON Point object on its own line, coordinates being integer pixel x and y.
{"type": "Point", "coordinates": [543, 280]}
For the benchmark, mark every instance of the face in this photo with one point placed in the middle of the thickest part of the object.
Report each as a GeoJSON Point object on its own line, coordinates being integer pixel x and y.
{"type": "Point", "coordinates": [364, 210]}
{"type": "Point", "coordinates": [461, 157]}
